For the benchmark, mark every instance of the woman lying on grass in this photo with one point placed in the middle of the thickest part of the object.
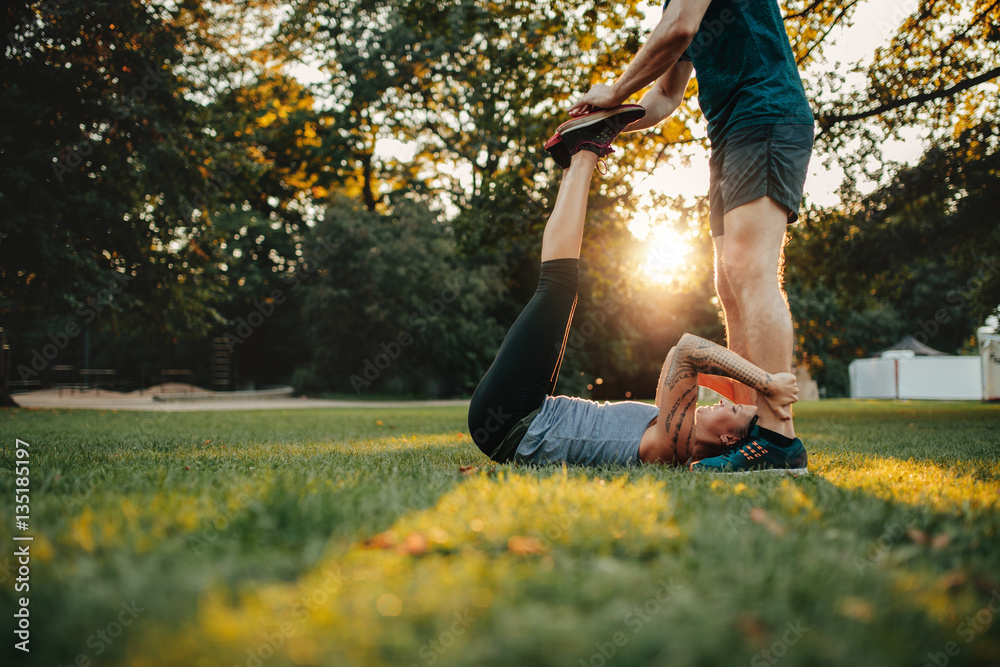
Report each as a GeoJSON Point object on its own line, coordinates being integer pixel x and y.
{"type": "Point", "coordinates": [513, 414]}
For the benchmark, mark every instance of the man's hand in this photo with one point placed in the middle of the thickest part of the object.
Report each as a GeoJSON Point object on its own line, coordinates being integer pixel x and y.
{"type": "Point", "coordinates": [598, 97]}
{"type": "Point", "coordinates": [782, 392]}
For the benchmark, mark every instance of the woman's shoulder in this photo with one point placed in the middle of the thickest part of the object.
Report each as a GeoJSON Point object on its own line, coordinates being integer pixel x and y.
{"type": "Point", "coordinates": [577, 402]}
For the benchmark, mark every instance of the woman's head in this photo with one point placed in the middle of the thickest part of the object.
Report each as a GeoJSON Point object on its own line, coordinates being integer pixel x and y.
{"type": "Point", "coordinates": [723, 424]}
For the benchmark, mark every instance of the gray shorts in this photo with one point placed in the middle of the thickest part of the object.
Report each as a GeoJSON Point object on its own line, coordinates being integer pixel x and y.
{"type": "Point", "coordinates": [759, 161]}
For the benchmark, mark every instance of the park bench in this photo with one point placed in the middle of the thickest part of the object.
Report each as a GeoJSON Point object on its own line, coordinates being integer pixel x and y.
{"type": "Point", "coordinates": [177, 373]}
{"type": "Point", "coordinates": [23, 385]}
{"type": "Point", "coordinates": [64, 377]}
{"type": "Point", "coordinates": [87, 373]}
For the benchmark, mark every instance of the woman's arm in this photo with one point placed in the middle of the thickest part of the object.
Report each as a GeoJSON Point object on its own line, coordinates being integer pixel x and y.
{"type": "Point", "coordinates": [696, 355]}
{"type": "Point", "coordinates": [677, 393]}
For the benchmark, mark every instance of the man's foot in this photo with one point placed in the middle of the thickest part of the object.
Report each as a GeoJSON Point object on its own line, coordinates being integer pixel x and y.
{"type": "Point", "coordinates": [593, 132]}
{"type": "Point", "coordinates": [755, 453]}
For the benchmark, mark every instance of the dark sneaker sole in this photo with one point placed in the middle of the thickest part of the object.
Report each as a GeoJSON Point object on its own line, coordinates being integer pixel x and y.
{"type": "Point", "coordinates": [597, 117]}
{"type": "Point", "coordinates": [560, 154]}
{"type": "Point", "coordinates": [773, 471]}
{"type": "Point", "coordinates": [555, 147]}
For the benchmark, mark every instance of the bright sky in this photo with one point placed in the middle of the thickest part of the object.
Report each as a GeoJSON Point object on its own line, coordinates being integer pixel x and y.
{"type": "Point", "coordinates": [873, 25]}
{"type": "Point", "coordinates": [874, 22]}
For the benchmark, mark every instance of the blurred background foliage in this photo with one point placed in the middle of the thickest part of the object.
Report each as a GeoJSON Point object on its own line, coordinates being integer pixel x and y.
{"type": "Point", "coordinates": [168, 169]}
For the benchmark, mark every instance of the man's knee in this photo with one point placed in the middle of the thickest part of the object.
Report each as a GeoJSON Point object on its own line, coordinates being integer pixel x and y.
{"type": "Point", "coordinates": [722, 286]}
{"type": "Point", "coordinates": [746, 271]}
{"type": "Point", "coordinates": [727, 297]}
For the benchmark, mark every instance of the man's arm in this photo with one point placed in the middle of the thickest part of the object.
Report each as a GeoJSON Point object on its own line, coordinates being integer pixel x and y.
{"type": "Point", "coordinates": [663, 48]}
{"type": "Point", "coordinates": [663, 98]}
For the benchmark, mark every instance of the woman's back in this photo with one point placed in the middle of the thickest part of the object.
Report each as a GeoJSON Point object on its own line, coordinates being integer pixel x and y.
{"type": "Point", "coordinates": [583, 432]}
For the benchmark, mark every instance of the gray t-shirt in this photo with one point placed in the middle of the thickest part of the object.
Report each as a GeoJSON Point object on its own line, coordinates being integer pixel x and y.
{"type": "Point", "coordinates": [582, 432]}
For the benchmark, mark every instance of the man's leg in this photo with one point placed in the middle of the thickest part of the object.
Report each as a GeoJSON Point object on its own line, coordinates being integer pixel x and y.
{"type": "Point", "coordinates": [735, 340]}
{"type": "Point", "coordinates": [758, 321]}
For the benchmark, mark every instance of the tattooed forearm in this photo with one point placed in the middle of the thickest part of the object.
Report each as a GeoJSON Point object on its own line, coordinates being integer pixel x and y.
{"type": "Point", "coordinates": [696, 355]}
{"type": "Point", "coordinates": [682, 445]}
{"type": "Point", "coordinates": [679, 408]}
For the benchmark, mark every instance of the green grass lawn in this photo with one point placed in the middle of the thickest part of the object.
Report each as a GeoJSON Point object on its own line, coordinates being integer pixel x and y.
{"type": "Point", "coordinates": [352, 537]}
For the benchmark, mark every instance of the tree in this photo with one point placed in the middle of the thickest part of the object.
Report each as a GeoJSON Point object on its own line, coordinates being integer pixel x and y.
{"type": "Point", "coordinates": [93, 115]}
{"type": "Point", "coordinates": [916, 257]}
{"type": "Point", "coordinates": [394, 308]}
{"type": "Point", "coordinates": [938, 72]}
{"type": "Point", "coordinates": [140, 141]}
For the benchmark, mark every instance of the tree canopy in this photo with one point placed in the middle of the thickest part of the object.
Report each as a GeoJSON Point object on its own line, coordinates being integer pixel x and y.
{"type": "Point", "coordinates": [169, 166]}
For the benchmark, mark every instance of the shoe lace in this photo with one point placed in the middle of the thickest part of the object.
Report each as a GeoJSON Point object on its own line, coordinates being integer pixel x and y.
{"type": "Point", "coordinates": [603, 151]}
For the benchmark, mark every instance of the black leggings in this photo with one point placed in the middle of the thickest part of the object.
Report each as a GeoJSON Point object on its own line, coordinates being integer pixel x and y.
{"type": "Point", "coordinates": [527, 364]}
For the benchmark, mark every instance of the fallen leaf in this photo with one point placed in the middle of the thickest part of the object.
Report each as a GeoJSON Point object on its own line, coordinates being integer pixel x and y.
{"type": "Point", "coordinates": [951, 580]}
{"type": "Point", "coordinates": [940, 541]}
{"type": "Point", "coordinates": [413, 544]}
{"type": "Point", "coordinates": [760, 515]}
{"type": "Point", "coordinates": [381, 541]}
{"type": "Point", "coordinates": [854, 607]}
{"type": "Point", "coordinates": [519, 544]}
{"type": "Point", "coordinates": [752, 627]}
{"type": "Point", "coordinates": [437, 535]}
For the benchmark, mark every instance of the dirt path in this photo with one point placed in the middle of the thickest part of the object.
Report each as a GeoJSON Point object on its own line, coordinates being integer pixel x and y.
{"type": "Point", "coordinates": [177, 397]}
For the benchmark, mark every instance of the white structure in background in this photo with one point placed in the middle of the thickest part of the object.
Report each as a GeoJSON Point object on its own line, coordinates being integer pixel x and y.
{"type": "Point", "coordinates": [989, 353]}
{"type": "Point", "coordinates": [910, 370]}
{"type": "Point", "coordinates": [873, 378]}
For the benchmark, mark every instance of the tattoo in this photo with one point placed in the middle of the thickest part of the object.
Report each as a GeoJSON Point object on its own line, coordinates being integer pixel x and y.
{"type": "Point", "coordinates": [695, 355]}
{"type": "Point", "coordinates": [675, 426]}
{"type": "Point", "coordinates": [698, 355]}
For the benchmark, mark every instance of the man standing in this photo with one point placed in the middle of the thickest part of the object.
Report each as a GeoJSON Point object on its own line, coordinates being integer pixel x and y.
{"type": "Point", "coordinates": [761, 130]}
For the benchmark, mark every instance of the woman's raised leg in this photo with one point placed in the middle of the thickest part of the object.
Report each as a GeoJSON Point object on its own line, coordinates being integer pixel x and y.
{"type": "Point", "coordinates": [527, 364]}
{"type": "Point", "coordinates": [563, 235]}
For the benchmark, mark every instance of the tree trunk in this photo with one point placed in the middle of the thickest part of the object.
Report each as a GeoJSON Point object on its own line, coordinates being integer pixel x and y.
{"type": "Point", "coordinates": [5, 400]}
{"type": "Point", "coordinates": [367, 187]}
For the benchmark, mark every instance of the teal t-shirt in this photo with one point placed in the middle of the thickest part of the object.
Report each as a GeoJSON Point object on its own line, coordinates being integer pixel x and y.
{"type": "Point", "coordinates": [745, 68]}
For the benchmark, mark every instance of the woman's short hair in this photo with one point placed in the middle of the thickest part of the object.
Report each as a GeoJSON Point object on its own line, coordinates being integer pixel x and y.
{"type": "Point", "coordinates": [744, 431]}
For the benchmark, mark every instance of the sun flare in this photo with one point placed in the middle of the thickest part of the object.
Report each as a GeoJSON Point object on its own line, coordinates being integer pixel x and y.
{"type": "Point", "coordinates": [666, 256]}
{"type": "Point", "coordinates": [665, 251]}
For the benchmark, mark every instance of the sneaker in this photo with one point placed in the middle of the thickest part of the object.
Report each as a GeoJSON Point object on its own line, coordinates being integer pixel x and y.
{"type": "Point", "coordinates": [756, 454]}
{"type": "Point", "coordinates": [593, 132]}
